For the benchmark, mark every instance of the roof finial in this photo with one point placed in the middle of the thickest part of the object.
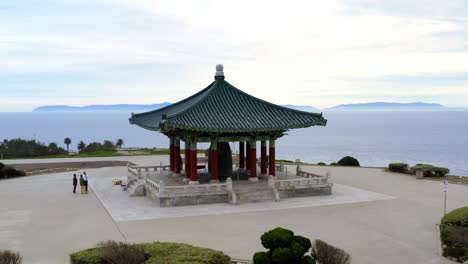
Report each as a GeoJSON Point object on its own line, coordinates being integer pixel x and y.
{"type": "Point", "coordinates": [219, 72]}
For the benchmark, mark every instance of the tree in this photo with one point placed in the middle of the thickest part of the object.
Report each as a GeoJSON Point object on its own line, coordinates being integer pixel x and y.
{"type": "Point", "coordinates": [108, 144]}
{"type": "Point", "coordinates": [81, 146]}
{"type": "Point", "coordinates": [67, 141]}
{"type": "Point", "coordinates": [119, 143]}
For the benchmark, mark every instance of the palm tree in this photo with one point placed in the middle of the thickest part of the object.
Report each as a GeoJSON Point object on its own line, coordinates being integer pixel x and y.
{"type": "Point", "coordinates": [81, 146]}
{"type": "Point", "coordinates": [119, 143]}
{"type": "Point", "coordinates": [67, 141]}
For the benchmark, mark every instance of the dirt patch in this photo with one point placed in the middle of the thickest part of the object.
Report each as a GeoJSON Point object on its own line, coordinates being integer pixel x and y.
{"type": "Point", "coordinates": [43, 168]}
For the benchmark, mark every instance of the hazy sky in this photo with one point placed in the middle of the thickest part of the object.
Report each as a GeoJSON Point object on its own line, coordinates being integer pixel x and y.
{"type": "Point", "coordinates": [318, 53]}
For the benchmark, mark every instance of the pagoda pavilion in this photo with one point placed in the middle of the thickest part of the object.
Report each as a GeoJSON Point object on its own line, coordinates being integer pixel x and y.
{"type": "Point", "coordinates": [220, 114]}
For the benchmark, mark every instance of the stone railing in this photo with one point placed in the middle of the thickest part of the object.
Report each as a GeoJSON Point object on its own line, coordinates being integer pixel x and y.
{"type": "Point", "coordinates": [301, 183]}
{"type": "Point", "coordinates": [163, 189]}
{"type": "Point", "coordinates": [131, 171]}
{"type": "Point", "coordinates": [154, 168]}
{"type": "Point", "coordinates": [150, 184]}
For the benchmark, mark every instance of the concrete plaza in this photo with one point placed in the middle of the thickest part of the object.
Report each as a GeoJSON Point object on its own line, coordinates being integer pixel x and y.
{"type": "Point", "coordinates": [378, 217]}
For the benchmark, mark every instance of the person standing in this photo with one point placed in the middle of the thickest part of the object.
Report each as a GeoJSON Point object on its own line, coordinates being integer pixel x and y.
{"type": "Point", "coordinates": [85, 177]}
{"type": "Point", "coordinates": [82, 184]}
{"type": "Point", "coordinates": [75, 182]}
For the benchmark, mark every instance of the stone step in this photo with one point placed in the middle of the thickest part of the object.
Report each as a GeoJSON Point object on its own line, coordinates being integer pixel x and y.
{"type": "Point", "coordinates": [136, 188]}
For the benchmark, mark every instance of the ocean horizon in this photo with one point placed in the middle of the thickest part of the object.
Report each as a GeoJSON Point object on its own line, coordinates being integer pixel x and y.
{"type": "Point", "coordinates": [374, 138]}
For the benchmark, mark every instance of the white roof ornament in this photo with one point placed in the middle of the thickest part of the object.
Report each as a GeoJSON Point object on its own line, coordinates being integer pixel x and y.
{"type": "Point", "coordinates": [219, 70]}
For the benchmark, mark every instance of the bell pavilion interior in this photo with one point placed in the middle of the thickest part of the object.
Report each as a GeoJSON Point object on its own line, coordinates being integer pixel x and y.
{"type": "Point", "coordinates": [221, 114]}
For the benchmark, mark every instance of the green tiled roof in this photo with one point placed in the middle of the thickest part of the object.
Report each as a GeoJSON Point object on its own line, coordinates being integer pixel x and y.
{"type": "Point", "coordinates": [222, 108]}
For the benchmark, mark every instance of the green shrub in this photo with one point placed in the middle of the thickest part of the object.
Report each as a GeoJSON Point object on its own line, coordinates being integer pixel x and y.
{"type": "Point", "coordinates": [456, 217]}
{"type": "Point", "coordinates": [262, 258]}
{"type": "Point", "coordinates": [9, 172]}
{"type": "Point", "coordinates": [276, 238]}
{"type": "Point", "coordinates": [116, 252]}
{"type": "Point", "coordinates": [430, 170]}
{"type": "Point", "coordinates": [454, 247]}
{"type": "Point", "coordinates": [349, 161]}
{"type": "Point", "coordinates": [308, 260]}
{"type": "Point", "coordinates": [398, 167]}
{"type": "Point", "coordinates": [322, 164]}
{"type": "Point", "coordinates": [284, 246]}
{"type": "Point", "coordinates": [179, 253]}
{"type": "Point", "coordinates": [333, 164]}
{"type": "Point", "coordinates": [10, 257]}
{"type": "Point", "coordinates": [88, 256]}
{"type": "Point", "coordinates": [328, 254]}
{"type": "Point", "coordinates": [283, 256]}
{"type": "Point", "coordinates": [160, 253]}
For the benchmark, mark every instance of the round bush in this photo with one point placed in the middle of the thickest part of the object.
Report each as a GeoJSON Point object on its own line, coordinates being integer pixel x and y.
{"type": "Point", "coordinates": [283, 256]}
{"type": "Point", "coordinates": [276, 238]}
{"type": "Point", "coordinates": [303, 242]}
{"type": "Point", "coordinates": [261, 258]}
{"type": "Point", "coordinates": [398, 167]}
{"type": "Point", "coordinates": [284, 247]}
{"type": "Point", "coordinates": [453, 229]}
{"type": "Point", "coordinates": [321, 164]}
{"type": "Point", "coordinates": [333, 164]}
{"type": "Point", "coordinates": [349, 161]}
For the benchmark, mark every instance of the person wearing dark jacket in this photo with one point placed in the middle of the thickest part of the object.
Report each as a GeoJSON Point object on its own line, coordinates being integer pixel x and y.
{"type": "Point", "coordinates": [82, 184]}
{"type": "Point", "coordinates": [75, 182]}
{"type": "Point", "coordinates": [85, 177]}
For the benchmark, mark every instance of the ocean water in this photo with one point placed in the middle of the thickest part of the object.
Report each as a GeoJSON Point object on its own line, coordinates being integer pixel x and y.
{"type": "Point", "coordinates": [374, 138]}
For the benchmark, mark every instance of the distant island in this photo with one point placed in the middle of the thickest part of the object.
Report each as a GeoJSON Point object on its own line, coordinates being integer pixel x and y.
{"type": "Point", "coordinates": [387, 106]}
{"type": "Point", "coordinates": [102, 108]}
{"type": "Point", "coordinates": [135, 108]}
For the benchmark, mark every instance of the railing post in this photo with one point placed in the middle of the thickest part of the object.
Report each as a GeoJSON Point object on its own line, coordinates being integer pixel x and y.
{"type": "Point", "coordinates": [162, 189]}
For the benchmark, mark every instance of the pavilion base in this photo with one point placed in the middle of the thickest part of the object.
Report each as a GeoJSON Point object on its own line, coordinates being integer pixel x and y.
{"type": "Point", "coordinates": [168, 191]}
{"type": "Point", "coordinates": [253, 179]}
{"type": "Point", "coordinates": [192, 200]}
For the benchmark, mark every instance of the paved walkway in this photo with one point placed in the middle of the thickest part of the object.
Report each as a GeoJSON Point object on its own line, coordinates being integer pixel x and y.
{"type": "Point", "coordinates": [124, 208]}
{"type": "Point", "coordinates": [40, 217]}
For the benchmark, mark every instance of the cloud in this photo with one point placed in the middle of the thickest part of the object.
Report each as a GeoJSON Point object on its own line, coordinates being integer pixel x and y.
{"type": "Point", "coordinates": [111, 46]}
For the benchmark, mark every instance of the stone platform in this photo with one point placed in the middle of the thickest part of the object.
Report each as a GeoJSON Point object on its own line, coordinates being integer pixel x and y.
{"type": "Point", "coordinates": [167, 189]}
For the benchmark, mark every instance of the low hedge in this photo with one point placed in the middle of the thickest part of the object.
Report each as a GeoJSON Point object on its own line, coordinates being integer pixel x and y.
{"type": "Point", "coordinates": [398, 167]}
{"type": "Point", "coordinates": [161, 253]}
{"type": "Point", "coordinates": [453, 227]}
{"type": "Point", "coordinates": [430, 170]}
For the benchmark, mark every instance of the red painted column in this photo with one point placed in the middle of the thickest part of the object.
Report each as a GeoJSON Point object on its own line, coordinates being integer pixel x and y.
{"type": "Point", "coordinates": [177, 156]}
{"type": "Point", "coordinates": [272, 168]}
{"type": "Point", "coordinates": [247, 162]}
{"type": "Point", "coordinates": [193, 163]}
{"type": "Point", "coordinates": [187, 159]}
{"type": "Point", "coordinates": [263, 159]}
{"type": "Point", "coordinates": [214, 161]}
{"type": "Point", "coordinates": [171, 155]}
{"type": "Point", "coordinates": [253, 161]}
{"type": "Point", "coordinates": [241, 155]}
